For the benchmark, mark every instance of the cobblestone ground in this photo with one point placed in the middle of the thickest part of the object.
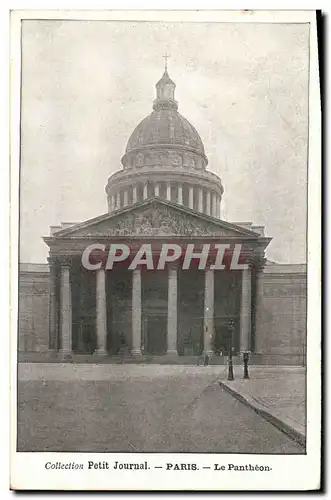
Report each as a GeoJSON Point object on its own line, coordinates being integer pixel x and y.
{"type": "Point", "coordinates": [138, 409]}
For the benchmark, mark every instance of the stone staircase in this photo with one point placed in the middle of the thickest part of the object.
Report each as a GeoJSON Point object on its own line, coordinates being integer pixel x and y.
{"type": "Point", "coordinates": [254, 359]}
{"type": "Point", "coordinates": [54, 357]}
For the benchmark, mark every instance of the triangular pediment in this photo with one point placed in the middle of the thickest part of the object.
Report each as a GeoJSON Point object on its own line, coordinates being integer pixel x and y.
{"type": "Point", "coordinates": [155, 217]}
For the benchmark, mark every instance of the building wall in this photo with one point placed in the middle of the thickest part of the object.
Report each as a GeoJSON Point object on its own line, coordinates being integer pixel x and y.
{"type": "Point", "coordinates": [33, 305]}
{"type": "Point", "coordinates": [281, 318]}
{"type": "Point", "coordinates": [280, 333]}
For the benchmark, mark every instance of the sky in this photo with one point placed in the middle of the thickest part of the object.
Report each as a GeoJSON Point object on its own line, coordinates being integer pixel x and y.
{"type": "Point", "coordinates": [87, 84]}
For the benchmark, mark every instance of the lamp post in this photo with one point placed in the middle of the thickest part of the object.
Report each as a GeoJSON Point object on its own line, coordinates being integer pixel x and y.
{"type": "Point", "coordinates": [206, 357]}
{"type": "Point", "coordinates": [230, 368]}
{"type": "Point", "coordinates": [246, 358]}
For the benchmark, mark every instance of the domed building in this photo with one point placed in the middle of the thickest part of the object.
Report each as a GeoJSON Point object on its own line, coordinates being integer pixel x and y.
{"type": "Point", "coordinates": [165, 157]}
{"type": "Point", "coordinates": [161, 274]}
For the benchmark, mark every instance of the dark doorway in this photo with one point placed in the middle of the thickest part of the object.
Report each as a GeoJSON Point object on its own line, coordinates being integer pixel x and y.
{"type": "Point", "coordinates": [154, 290]}
{"type": "Point", "coordinates": [155, 334]}
{"type": "Point", "coordinates": [191, 340]}
{"type": "Point", "coordinates": [119, 310]}
{"type": "Point", "coordinates": [225, 333]}
{"type": "Point", "coordinates": [190, 311]}
{"type": "Point", "coordinates": [84, 338]}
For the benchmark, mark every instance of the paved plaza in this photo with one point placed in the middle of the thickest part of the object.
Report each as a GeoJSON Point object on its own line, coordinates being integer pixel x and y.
{"type": "Point", "coordinates": [137, 408]}
{"type": "Point", "coordinates": [280, 395]}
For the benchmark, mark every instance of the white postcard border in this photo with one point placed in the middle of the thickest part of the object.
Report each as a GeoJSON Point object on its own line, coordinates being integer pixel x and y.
{"type": "Point", "coordinates": [289, 472]}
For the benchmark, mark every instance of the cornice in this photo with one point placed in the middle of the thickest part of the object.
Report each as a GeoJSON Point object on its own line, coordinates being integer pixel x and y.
{"type": "Point", "coordinates": [200, 178]}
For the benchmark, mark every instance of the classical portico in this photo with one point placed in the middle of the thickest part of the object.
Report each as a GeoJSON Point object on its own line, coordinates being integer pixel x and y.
{"type": "Point", "coordinates": [172, 311]}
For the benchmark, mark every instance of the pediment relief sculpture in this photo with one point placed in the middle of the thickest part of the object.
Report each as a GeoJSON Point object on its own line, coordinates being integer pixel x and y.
{"type": "Point", "coordinates": [155, 221]}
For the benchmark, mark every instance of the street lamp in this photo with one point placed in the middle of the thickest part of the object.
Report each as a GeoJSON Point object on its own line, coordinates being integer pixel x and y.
{"type": "Point", "coordinates": [246, 358]}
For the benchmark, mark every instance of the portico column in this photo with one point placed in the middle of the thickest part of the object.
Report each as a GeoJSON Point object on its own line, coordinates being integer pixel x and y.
{"type": "Point", "coordinates": [190, 197]}
{"type": "Point", "coordinates": [180, 194]}
{"type": "Point", "coordinates": [157, 189]}
{"type": "Point", "coordinates": [208, 203]}
{"type": "Point", "coordinates": [208, 330]}
{"type": "Point", "coordinates": [125, 198]}
{"type": "Point", "coordinates": [134, 194]}
{"type": "Point", "coordinates": [65, 310]}
{"type": "Point", "coordinates": [145, 193]}
{"type": "Point", "coordinates": [80, 345]}
{"type": "Point", "coordinates": [200, 201]}
{"type": "Point", "coordinates": [261, 334]}
{"type": "Point", "coordinates": [245, 310]}
{"type": "Point", "coordinates": [214, 205]}
{"type": "Point", "coordinates": [52, 344]}
{"type": "Point", "coordinates": [168, 191]}
{"type": "Point", "coordinates": [101, 311]}
{"type": "Point", "coordinates": [172, 311]}
{"type": "Point", "coordinates": [136, 312]}
{"type": "Point", "coordinates": [118, 200]}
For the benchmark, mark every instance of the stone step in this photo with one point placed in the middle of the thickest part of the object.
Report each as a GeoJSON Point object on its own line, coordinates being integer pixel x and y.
{"type": "Point", "coordinates": [254, 359]}
{"type": "Point", "coordinates": [54, 357]}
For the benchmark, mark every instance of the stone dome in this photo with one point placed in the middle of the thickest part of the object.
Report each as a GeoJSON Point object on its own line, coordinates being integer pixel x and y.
{"type": "Point", "coordinates": [165, 137]}
{"type": "Point", "coordinates": [165, 126]}
{"type": "Point", "coordinates": [165, 158]}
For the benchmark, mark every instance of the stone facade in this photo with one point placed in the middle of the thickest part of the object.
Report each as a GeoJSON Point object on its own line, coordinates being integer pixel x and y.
{"type": "Point", "coordinates": [33, 324]}
{"type": "Point", "coordinates": [280, 333]}
{"type": "Point", "coordinates": [145, 316]}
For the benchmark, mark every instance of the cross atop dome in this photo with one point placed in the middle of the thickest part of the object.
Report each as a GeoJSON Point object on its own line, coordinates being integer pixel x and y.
{"type": "Point", "coordinates": [166, 56]}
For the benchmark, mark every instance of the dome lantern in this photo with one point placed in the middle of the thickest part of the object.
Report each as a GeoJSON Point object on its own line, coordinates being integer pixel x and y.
{"type": "Point", "coordinates": [165, 91]}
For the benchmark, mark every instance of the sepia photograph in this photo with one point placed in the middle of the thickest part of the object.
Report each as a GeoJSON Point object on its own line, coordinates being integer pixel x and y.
{"type": "Point", "coordinates": [162, 243]}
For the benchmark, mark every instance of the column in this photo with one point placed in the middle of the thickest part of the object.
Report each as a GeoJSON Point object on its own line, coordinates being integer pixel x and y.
{"type": "Point", "coordinates": [80, 345]}
{"type": "Point", "coordinates": [261, 333]}
{"type": "Point", "coordinates": [168, 191]}
{"type": "Point", "coordinates": [208, 329]}
{"type": "Point", "coordinates": [125, 198]}
{"type": "Point", "coordinates": [145, 193]}
{"type": "Point", "coordinates": [157, 189]}
{"type": "Point", "coordinates": [53, 344]}
{"type": "Point", "coordinates": [180, 194]}
{"type": "Point", "coordinates": [214, 205]}
{"type": "Point", "coordinates": [65, 311]}
{"type": "Point", "coordinates": [134, 194]}
{"type": "Point", "coordinates": [200, 200]}
{"type": "Point", "coordinates": [208, 203]}
{"type": "Point", "coordinates": [112, 203]}
{"type": "Point", "coordinates": [245, 311]}
{"type": "Point", "coordinates": [190, 197]}
{"type": "Point", "coordinates": [101, 311]}
{"type": "Point", "coordinates": [136, 312]}
{"type": "Point", "coordinates": [172, 311]}
{"type": "Point", "coordinates": [118, 200]}
{"type": "Point", "coordinates": [218, 207]}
